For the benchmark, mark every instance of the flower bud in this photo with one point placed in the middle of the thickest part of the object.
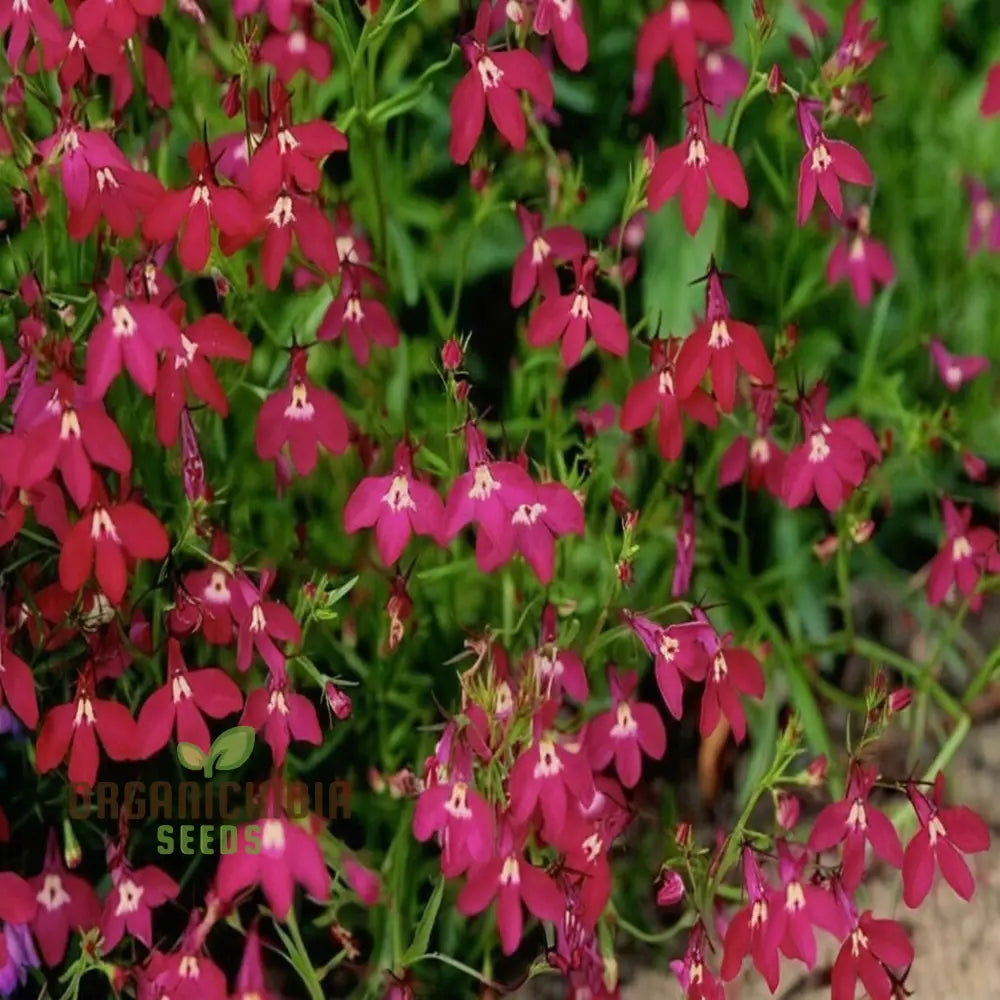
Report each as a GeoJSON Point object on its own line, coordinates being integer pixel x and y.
{"type": "Point", "coordinates": [816, 772]}
{"type": "Point", "coordinates": [774, 80]}
{"type": "Point", "coordinates": [338, 701]}
{"type": "Point", "coordinates": [72, 854]}
{"type": "Point", "coordinates": [861, 531]}
{"type": "Point", "coordinates": [786, 810]}
{"type": "Point", "coordinates": [515, 12]}
{"type": "Point", "coordinates": [682, 835]}
{"type": "Point", "coordinates": [900, 699]}
{"type": "Point", "coordinates": [620, 502]}
{"type": "Point", "coordinates": [825, 548]}
{"type": "Point", "coordinates": [626, 572]}
{"type": "Point", "coordinates": [975, 467]}
{"type": "Point", "coordinates": [232, 100]}
{"type": "Point", "coordinates": [461, 390]}
{"type": "Point", "coordinates": [451, 355]}
{"type": "Point", "coordinates": [345, 939]}
{"type": "Point", "coordinates": [671, 890]}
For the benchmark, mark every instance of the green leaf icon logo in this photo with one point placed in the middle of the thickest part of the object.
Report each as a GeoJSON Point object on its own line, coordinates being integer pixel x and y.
{"type": "Point", "coordinates": [192, 757]}
{"type": "Point", "coordinates": [230, 750]}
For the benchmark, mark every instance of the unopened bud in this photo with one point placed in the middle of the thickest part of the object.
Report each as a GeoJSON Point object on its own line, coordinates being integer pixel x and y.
{"type": "Point", "coordinates": [72, 854]}
{"type": "Point", "coordinates": [786, 810]}
{"type": "Point", "coordinates": [515, 12]}
{"type": "Point", "coordinates": [671, 890]}
{"type": "Point", "coordinates": [461, 390]}
{"type": "Point", "coordinates": [232, 100]}
{"type": "Point", "coordinates": [451, 354]}
{"type": "Point", "coordinates": [338, 701]}
{"type": "Point", "coordinates": [816, 772]}
{"type": "Point", "coordinates": [774, 80]}
{"type": "Point", "coordinates": [900, 699]}
{"type": "Point", "coordinates": [683, 835]}
{"type": "Point", "coordinates": [620, 502]}
{"type": "Point", "coordinates": [825, 548]}
{"type": "Point", "coordinates": [975, 467]}
{"type": "Point", "coordinates": [861, 531]}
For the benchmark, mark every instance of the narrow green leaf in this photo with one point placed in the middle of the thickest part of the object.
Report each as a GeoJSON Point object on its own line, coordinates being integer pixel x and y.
{"type": "Point", "coordinates": [418, 946]}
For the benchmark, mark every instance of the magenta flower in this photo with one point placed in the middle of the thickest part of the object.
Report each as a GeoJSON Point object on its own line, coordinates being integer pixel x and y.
{"type": "Point", "coordinates": [677, 649]}
{"type": "Point", "coordinates": [66, 903]}
{"type": "Point", "coordinates": [656, 397]}
{"type": "Point", "coordinates": [945, 834]}
{"type": "Point", "coordinates": [17, 683]}
{"type": "Point", "coordinates": [826, 163]}
{"type": "Point", "coordinates": [733, 672]}
{"type": "Point", "coordinates": [21, 19]}
{"type": "Point", "coordinates": [549, 774]}
{"type": "Point", "coordinates": [488, 494]}
{"type": "Point", "coordinates": [984, 225]}
{"type": "Point", "coordinates": [190, 213]}
{"type": "Point", "coordinates": [281, 715]}
{"type": "Point", "coordinates": [250, 981]}
{"type": "Point", "coordinates": [721, 345]}
{"type": "Point", "coordinates": [968, 553]}
{"type": "Point", "coordinates": [832, 460]}
{"type": "Point", "coordinates": [722, 78]}
{"type": "Point", "coordinates": [871, 945]}
{"type": "Point", "coordinates": [365, 883]}
{"type": "Point", "coordinates": [677, 30]}
{"type": "Point", "coordinates": [955, 370]}
{"type": "Point", "coordinates": [801, 905]}
{"type": "Point", "coordinates": [131, 333]}
{"type": "Point", "coordinates": [625, 732]}
{"type": "Point", "coordinates": [855, 50]}
{"type": "Point", "coordinates": [285, 854]}
{"type": "Point", "coordinates": [511, 880]}
{"type": "Point", "coordinates": [688, 167]}
{"type": "Point", "coordinates": [101, 539]}
{"type": "Point", "coordinates": [571, 317]}
{"type": "Point", "coordinates": [290, 52]}
{"type": "Point", "coordinates": [535, 266]}
{"type": "Point", "coordinates": [303, 416]}
{"type": "Point", "coordinates": [291, 157]}
{"type": "Point", "coordinates": [129, 905]}
{"type": "Point", "coordinates": [860, 259]}
{"type": "Point", "coordinates": [260, 622]}
{"type": "Point", "coordinates": [398, 505]}
{"type": "Point", "coordinates": [120, 18]}
{"type": "Point", "coordinates": [181, 703]}
{"type": "Point", "coordinates": [696, 979]}
{"type": "Point", "coordinates": [73, 729]}
{"type": "Point", "coordinates": [462, 820]}
{"type": "Point", "coordinates": [760, 461]}
{"type": "Point", "coordinates": [557, 670]}
{"type": "Point", "coordinates": [755, 930]}
{"type": "Point", "coordinates": [210, 590]}
{"type": "Point", "coordinates": [185, 974]}
{"type": "Point", "coordinates": [17, 905]}
{"type": "Point", "coordinates": [564, 19]}
{"type": "Point", "coordinates": [852, 822]}
{"type": "Point", "coordinates": [208, 337]}
{"type": "Point", "coordinates": [532, 530]}
{"type": "Point", "coordinates": [493, 81]}
{"type": "Point", "coordinates": [288, 213]}
{"type": "Point", "coordinates": [366, 321]}
{"type": "Point", "coordinates": [63, 429]}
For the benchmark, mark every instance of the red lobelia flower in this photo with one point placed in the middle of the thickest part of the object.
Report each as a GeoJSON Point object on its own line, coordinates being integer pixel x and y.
{"type": "Point", "coordinates": [967, 554]}
{"type": "Point", "coordinates": [564, 19]}
{"type": "Point", "coordinates": [826, 163]}
{"type": "Point", "coordinates": [945, 834]}
{"type": "Point", "coordinates": [989, 105]}
{"type": "Point", "coordinates": [733, 671]}
{"type": "Point", "coordinates": [398, 505]}
{"type": "Point", "coordinates": [192, 211]}
{"type": "Point", "coordinates": [557, 670]}
{"type": "Point", "coordinates": [366, 321]}
{"type": "Point", "coordinates": [260, 622]}
{"type": "Point", "coordinates": [303, 416]}
{"type": "Point", "coordinates": [73, 728]}
{"type": "Point", "coordinates": [696, 979]}
{"type": "Point", "coordinates": [462, 820]}
{"type": "Point", "coordinates": [281, 715]}
{"type": "Point", "coordinates": [17, 905]}
{"type": "Point", "coordinates": [721, 345]}
{"type": "Point", "coordinates": [102, 538]}
{"type": "Point", "coordinates": [181, 702]}
{"type": "Point", "coordinates": [833, 458]}
{"type": "Point", "coordinates": [276, 854]}
{"type": "Point", "coordinates": [571, 317]}
{"type": "Point", "coordinates": [535, 266]}
{"type": "Point", "coordinates": [511, 880]}
{"type": "Point", "coordinates": [852, 822]}
{"type": "Point", "coordinates": [17, 684]}
{"type": "Point", "coordinates": [128, 907]}
{"type": "Point", "coordinates": [677, 30]}
{"type": "Point", "coordinates": [66, 903]}
{"type": "Point", "coordinates": [286, 214]}
{"type": "Point", "coordinates": [870, 947]}
{"type": "Point", "coordinates": [626, 731]}
{"type": "Point", "coordinates": [860, 259]}
{"type": "Point", "coordinates": [120, 18]}
{"type": "Point", "coordinates": [753, 930]}
{"type": "Point", "coordinates": [493, 81]}
{"type": "Point", "coordinates": [62, 428]}
{"type": "Point", "coordinates": [688, 167]}
{"type": "Point", "coordinates": [250, 981]}
{"type": "Point", "coordinates": [760, 460]}
{"type": "Point", "coordinates": [955, 370]}
{"type": "Point", "coordinates": [23, 18]}
{"type": "Point", "coordinates": [656, 396]}
{"type": "Point", "coordinates": [188, 368]}
{"type": "Point", "coordinates": [289, 52]}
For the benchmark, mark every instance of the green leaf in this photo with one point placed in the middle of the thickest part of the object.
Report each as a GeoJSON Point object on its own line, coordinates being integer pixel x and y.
{"type": "Point", "coordinates": [192, 757]}
{"type": "Point", "coordinates": [406, 259]}
{"type": "Point", "coordinates": [422, 937]}
{"type": "Point", "coordinates": [230, 749]}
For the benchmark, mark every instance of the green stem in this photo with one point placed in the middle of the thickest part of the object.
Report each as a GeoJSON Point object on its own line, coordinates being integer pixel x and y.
{"type": "Point", "coordinates": [301, 959]}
